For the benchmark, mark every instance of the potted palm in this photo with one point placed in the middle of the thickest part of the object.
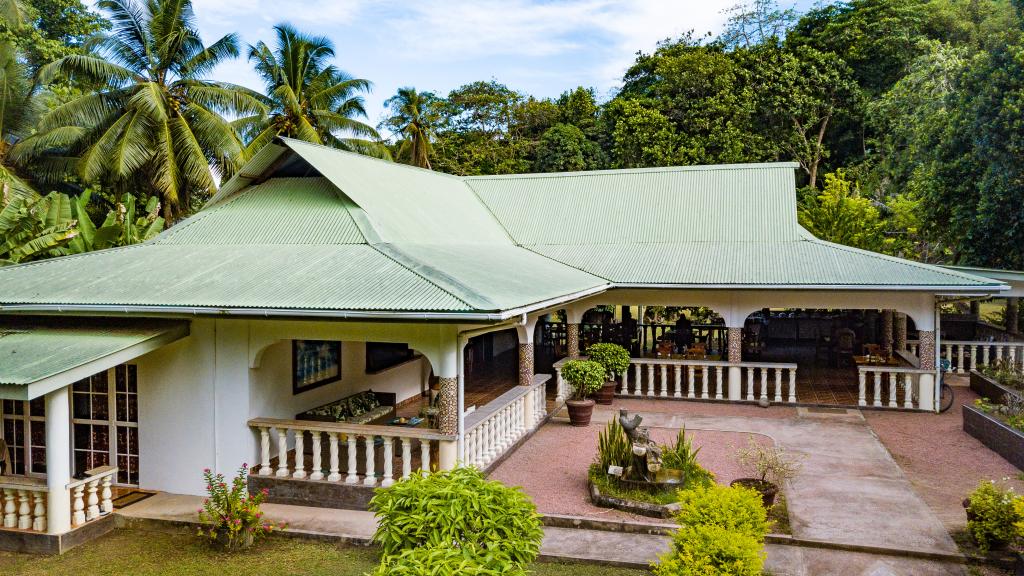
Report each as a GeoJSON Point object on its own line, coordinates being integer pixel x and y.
{"type": "Point", "coordinates": [771, 467]}
{"type": "Point", "coordinates": [586, 378]}
{"type": "Point", "coordinates": [615, 360]}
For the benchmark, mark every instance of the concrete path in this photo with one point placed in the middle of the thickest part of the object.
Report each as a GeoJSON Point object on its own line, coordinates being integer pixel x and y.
{"type": "Point", "coordinates": [849, 490]}
{"type": "Point", "coordinates": [568, 544]}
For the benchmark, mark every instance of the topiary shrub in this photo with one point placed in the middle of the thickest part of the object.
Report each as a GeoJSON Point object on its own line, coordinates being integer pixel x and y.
{"type": "Point", "coordinates": [614, 358]}
{"type": "Point", "coordinates": [585, 377]}
{"type": "Point", "coordinates": [709, 550]}
{"type": "Point", "coordinates": [458, 509]}
{"type": "Point", "coordinates": [444, 560]}
{"type": "Point", "coordinates": [993, 515]}
{"type": "Point", "coordinates": [736, 509]}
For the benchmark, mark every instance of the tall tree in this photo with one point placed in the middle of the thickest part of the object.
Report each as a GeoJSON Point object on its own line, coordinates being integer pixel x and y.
{"type": "Point", "coordinates": [415, 117]}
{"type": "Point", "coordinates": [756, 22]}
{"type": "Point", "coordinates": [309, 98]}
{"type": "Point", "coordinates": [156, 121]}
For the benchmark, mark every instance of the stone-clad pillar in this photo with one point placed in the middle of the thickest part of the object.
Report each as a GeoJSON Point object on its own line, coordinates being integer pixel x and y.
{"type": "Point", "coordinates": [735, 339]}
{"type": "Point", "coordinates": [927, 352]}
{"type": "Point", "coordinates": [448, 405]}
{"type": "Point", "coordinates": [735, 344]}
{"type": "Point", "coordinates": [572, 340]}
{"type": "Point", "coordinates": [887, 326]}
{"type": "Point", "coordinates": [900, 332]}
{"type": "Point", "coordinates": [926, 389]}
{"type": "Point", "coordinates": [526, 364]}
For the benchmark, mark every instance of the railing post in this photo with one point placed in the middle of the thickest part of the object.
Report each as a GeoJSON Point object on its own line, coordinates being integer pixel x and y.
{"type": "Point", "coordinates": [625, 382]}
{"type": "Point", "coordinates": [892, 390]}
{"type": "Point", "coordinates": [778, 385]}
{"type": "Point", "coordinates": [371, 461]}
{"type": "Point", "coordinates": [974, 357]}
{"type": "Point", "coordinates": [10, 510]}
{"type": "Point", "coordinates": [862, 392]}
{"type": "Point", "coordinates": [878, 388]}
{"type": "Point", "coordinates": [529, 407]}
{"type": "Point", "coordinates": [300, 454]}
{"type": "Point", "coordinates": [93, 512]}
{"type": "Point", "coordinates": [704, 382]}
{"type": "Point", "coordinates": [792, 385]}
{"type": "Point", "coordinates": [318, 470]}
{"type": "Point", "coordinates": [106, 503]}
{"type": "Point", "coordinates": [78, 496]}
{"type": "Point", "coordinates": [677, 377]}
{"type": "Point", "coordinates": [960, 359]}
{"type": "Point", "coordinates": [650, 380]}
{"type": "Point", "coordinates": [425, 456]}
{"type": "Point", "coordinates": [388, 479]}
{"type": "Point", "coordinates": [265, 469]}
{"type": "Point", "coordinates": [24, 510]}
{"type": "Point", "coordinates": [282, 452]}
{"type": "Point", "coordinates": [718, 382]}
{"type": "Point", "coordinates": [764, 384]}
{"type": "Point", "coordinates": [39, 513]}
{"type": "Point", "coordinates": [664, 381]}
{"type": "Point", "coordinates": [908, 390]}
{"type": "Point", "coordinates": [689, 381]}
{"type": "Point", "coordinates": [406, 458]}
{"type": "Point", "coordinates": [637, 379]}
{"type": "Point", "coordinates": [335, 473]}
{"type": "Point", "coordinates": [750, 384]}
{"type": "Point", "coordinates": [352, 449]}
{"type": "Point", "coordinates": [559, 393]}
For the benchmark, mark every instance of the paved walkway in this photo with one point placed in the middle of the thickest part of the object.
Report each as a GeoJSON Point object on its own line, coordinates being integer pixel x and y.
{"type": "Point", "coordinates": [849, 490]}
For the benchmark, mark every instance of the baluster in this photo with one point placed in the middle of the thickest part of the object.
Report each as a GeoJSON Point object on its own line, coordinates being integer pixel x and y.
{"type": "Point", "coordinates": [974, 357]}
{"type": "Point", "coordinates": [704, 382]}
{"type": "Point", "coordinates": [502, 419]}
{"type": "Point", "coordinates": [960, 359]}
{"type": "Point", "coordinates": [650, 380]}
{"type": "Point", "coordinates": [300, 454]}
{"type": "Point", "coordinates": [560, 394]}
{"type": "Point", "coordinates": [764, 383]}
{"type": "Point", "coordinates": [389, 478]}
{"type": "Point", "coordinates": [265, 469]}
{"type": "Point", "coordinates": [485, 442]}
{"type": "Point", "coordinates": [750, 383]}
{"type": "Point", "coordinates": [778, 384]}
{"type": "Point", "coordinates": [106, 503]}
{"type": "Point", "coordinates": [625, 382]}
{"type": "Point", "coordinates": [39, 513]}
{"type": "Point", "coordinates": [282, 452]}
{"type": "Point", "coordinates": [689, 381]}
{"type": "Point", "coordinates": [406, 458]}
{"type": "Point", "coordinates": [718, 382]}
{"type": "Point", "coordinates": [893, 379]}
{"type": "Point", "coordinates": [677, 390]}
{"type": "Point", "coordinates": [878, 388]}
{"type": "Point", "coordinates": [10, 516]}
{"type": "Point", "coordinates": [425, 456]}
{"type": "Point", "coordinates": [949, 353]}
{"type": "Point", "coordinates": [352, 449]}
{"type": "Point", "coordinates": [792, 385]}
{"type": "Point", "coordinates": [318, 470]}
{"type": "Point", "coordinates": [637, 379]}
{"type": "Point", "coordinates": [999, 352]}
{"type": "Point", "coordinates": [984, 354]}
{"type": "Point", "coordinates": [371, 461]}
{"type": "Point", "coordinates": [24, 510]}
{"type": "Point", "coordinates": [862, 392]}
{"type": "Point", "coordinates": [78, 505]}
{"type": "Point", "coordinates": [471, 441]}
{"type": "Point", "coordinates": [93, 511]}
{"type": "Point", "coordinates": [664, 381]}
{"type": "Point", "coordinates": [1012, 351]}
{"type": "Point", "coordinates": [332, 440]}
{"type": "Point", "coordinates": [908, 391]}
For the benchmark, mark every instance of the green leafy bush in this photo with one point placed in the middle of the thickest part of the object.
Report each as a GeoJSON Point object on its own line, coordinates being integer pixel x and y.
{"type": "Point", "coordinates": [458, 509]}
{"type": "Point", "coordinates": [1005, 372]}
{"type": "Point", "coordinates": [442, 561]}
{"type": "Point", "coordinates": [586, 377]}
{"type": "Point", "coordinates": [1010, 411]}
{"type": "Point", "coordinates": [993, 515]}
{"type": "Point", "coordinates": [681, 455]}
{"type": "Point", "coordinates": [230, 515]}
{"type": "Point", "coordinates": [613, 357]}
{"type": "Point", "coordinates": [736, 509]}
{"type": "Point", "coordinates": [709, 550]}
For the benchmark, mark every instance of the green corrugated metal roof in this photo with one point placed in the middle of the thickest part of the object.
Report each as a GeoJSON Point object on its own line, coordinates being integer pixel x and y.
{"type": "Point", "coordinates": [38, 349]}
{"type": "Point", "coordinates": [994, 273]}
{"type": "Point", "coordinates": [752, 203]}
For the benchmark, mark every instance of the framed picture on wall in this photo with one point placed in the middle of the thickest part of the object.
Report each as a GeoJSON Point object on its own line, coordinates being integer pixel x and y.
{"type": "Point", "coordinates": [315, 363]}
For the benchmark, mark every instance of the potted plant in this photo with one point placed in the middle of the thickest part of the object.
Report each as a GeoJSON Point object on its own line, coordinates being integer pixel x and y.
{"type": "Point", "coordinates": [771, 467]}
{"type": "Point", "coordinates": [586, 378]}
{"type": "Point", "coordinates": [231, 517]}
{"type": "Point", "coordinates": [615, 360]}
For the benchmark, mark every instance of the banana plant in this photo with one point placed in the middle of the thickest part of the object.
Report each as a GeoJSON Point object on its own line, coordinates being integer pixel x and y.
{"type": "Point", "coordinates": [36, 227]}
{"type": "Point", "coordinates": [121, 227]}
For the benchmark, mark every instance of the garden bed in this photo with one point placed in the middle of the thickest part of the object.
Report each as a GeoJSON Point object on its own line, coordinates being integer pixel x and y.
{"type": "Point", "coordinates": [988, 387]}
{"type": "Point", "coordinates": [995, 434]}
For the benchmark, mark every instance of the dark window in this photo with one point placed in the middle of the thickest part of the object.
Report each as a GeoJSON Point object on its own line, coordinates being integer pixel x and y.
{"type": "Point", "coordinates": [383, 355]}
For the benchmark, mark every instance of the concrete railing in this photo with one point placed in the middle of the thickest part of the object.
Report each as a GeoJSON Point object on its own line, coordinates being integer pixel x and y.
{"type": "Point", "coordinates": [23, 502]}
{"type": "Point", "coordinates": [495, 428]}
{"type": "Point", "coordinates": [430, 442]}
{"type": "Point", "coordinates": [965, 355]}
{"type": "Point", "coordinates": [891, 383]}
{"type": "Point", "coordinates": [91, 496]}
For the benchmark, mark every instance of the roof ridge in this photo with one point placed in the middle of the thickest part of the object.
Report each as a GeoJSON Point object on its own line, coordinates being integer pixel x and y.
{"type": "Point", "coordinates": [288, 141]}
{"type": "Point", "coordinates": [654, 169]}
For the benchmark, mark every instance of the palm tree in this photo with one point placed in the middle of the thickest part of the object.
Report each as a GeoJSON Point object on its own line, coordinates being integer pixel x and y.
{"type": "Point", "coordinates": [309, 98]}
{"type": "Point", "coordinates": [156, 121]}
{"type": "Point", "coordinates": [19, 102]}
{"type": "Point", "coordinates": [415, 116]}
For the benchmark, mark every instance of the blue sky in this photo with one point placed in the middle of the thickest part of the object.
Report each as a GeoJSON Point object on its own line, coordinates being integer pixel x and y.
{"type": "Point", "coordinates": [535, 46]}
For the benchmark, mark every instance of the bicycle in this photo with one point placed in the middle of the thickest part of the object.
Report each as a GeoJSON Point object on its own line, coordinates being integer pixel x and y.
{"type": "Point", "coordinates": [946, 394]}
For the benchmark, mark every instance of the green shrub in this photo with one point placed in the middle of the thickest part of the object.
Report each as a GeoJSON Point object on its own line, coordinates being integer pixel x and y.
{"type": "Point", "coordinates": [708, 550]}
{"type": "Point", "coordinates": [736, 509]}
{"type": "Point", "coordinates": [585, 377]}
{"type": "Point", "coordinates": [681, 455]}
{"type": "Point", "coordinates": [458, 509]}
{"type": "Point", "coordinates": [442, 561]}
{"type": "Point", "coordinates": [1005, 372]}
{"type": "Point", "coordinates": [231, 515]}
{"type": "Point", "coordinates": [993, 515]}
{"type": "Point", "coordinates": [613, 357]}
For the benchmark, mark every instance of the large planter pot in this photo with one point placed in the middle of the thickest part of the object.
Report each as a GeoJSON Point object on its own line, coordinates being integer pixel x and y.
{"type": "Point", "coordinates": [988, 388]}
{"type": "Point", "coordinates": [580, 411]}
{"type": "Point", "coordinates": [767, 490]}
{"type": "Point", "coordinates": [607, 393]}
{"type": "Point", "coordinates": [997, 436]}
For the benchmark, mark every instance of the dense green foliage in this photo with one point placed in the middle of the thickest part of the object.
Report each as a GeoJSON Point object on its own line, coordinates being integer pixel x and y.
{"type": "Point", "coordinates": [585, 377]}
{"type": "Point", "coordinates": [443, 561]}
{"type": "Point", "coordinates": [459, 510]}
{"type": "Point", "coordinates": [993, 515]}
{"type": "Point", "coordinates": [613, 357]}
{"type": "Point", "coordinates": [721, 532]}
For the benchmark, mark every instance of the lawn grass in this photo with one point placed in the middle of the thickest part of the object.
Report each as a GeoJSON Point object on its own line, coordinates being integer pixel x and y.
{"type": "Point", "coordinates": [143, 553]}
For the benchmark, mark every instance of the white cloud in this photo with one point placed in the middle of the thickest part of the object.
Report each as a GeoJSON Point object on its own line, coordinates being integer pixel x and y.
{"type": "Point", "coordinates": [320, 12]}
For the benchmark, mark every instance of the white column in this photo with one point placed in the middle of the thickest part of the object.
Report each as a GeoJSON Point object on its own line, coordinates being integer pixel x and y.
{"type": "Point", "coordinates": [58, 461]}
{"type": "Point", "coordinates": [318, 469]}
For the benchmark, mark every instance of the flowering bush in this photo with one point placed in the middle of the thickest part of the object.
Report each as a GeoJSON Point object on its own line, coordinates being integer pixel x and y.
{"type": "Point", "coordinates": [232, 516]}
{"type": "Point", "coordinates": [994, 515]}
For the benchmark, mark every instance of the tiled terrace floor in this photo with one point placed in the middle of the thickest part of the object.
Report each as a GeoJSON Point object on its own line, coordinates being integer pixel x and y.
{"type": "Point", "coordinates": [816, 381]}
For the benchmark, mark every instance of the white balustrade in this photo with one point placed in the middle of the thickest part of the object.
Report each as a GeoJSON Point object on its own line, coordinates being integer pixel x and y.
{"type": "Point", "coordinates": [375, 441]}
{"type": "Point", "coordinates": [967, 355]}
{"type": "Point", "coordinates": [893, 387]}
{"type": "Point", "coordinates": [23, 503]}
{"type": "Point", "coordinates": [492, 430]}
{"type": "Point", "coordinates": [91, 497]}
